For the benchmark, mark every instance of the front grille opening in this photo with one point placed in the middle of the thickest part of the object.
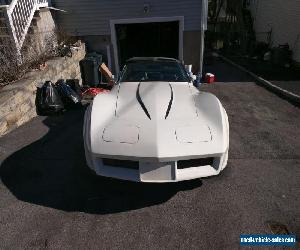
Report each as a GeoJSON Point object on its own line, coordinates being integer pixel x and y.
{"type": "Point", "coordinates": [121, 163]}
{"type": "Point", "coordinates": [195, 163]}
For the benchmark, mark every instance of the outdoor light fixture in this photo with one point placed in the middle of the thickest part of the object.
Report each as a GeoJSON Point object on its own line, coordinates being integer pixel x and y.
{"type": "Point", "coordinates": [146, 8]}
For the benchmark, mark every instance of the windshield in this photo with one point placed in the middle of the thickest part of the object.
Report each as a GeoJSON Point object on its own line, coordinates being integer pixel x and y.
{"type": "Point", "coordinates": [150, 71]}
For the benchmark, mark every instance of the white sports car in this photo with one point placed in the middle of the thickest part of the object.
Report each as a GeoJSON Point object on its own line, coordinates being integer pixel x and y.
{"type": "Point", "coordinates": [155, 126]}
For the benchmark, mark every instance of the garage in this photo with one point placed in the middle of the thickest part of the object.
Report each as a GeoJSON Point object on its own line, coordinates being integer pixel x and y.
{"type": "Point", "coordinates": [153, 37]}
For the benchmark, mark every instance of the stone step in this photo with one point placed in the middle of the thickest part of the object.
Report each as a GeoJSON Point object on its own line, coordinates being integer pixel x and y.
{"type": "Point", "coordinates": [5, 40]}
{"type": "Point", "coordinates": [3, 23]}
{"type": "Point", "coordinates": [2, 12]}
{"type": "Point", "coordinates": [4, 31]}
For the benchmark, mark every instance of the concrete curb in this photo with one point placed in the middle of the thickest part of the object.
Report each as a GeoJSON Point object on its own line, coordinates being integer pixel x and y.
{"type": "Point", "coordinates": [282, 92]}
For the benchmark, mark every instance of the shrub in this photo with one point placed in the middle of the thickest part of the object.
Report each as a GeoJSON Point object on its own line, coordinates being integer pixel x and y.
{"type": "Point", "coordinates": [36, 50]}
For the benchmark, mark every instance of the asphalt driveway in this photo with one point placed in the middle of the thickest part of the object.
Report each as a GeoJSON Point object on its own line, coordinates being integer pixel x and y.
{"type": "Point", "coordinates": [49, 200]}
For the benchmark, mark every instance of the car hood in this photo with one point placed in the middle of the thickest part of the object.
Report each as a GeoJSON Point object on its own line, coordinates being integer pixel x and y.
{"type": "Point", "coordinates": [155, 101]}
{"type": "Point", "coordinates": [157, 120]}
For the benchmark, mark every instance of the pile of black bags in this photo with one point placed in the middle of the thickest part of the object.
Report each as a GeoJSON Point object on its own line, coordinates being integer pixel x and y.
{"type": "Point", "coordinates": [55, 98]}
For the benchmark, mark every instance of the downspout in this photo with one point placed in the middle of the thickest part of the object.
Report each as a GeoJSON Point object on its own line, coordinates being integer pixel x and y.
{"type": "Point", "coordinates": [204, 14]}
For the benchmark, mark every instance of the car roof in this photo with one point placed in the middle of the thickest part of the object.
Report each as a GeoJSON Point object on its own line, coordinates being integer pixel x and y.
{"type": "Point", "coordinates": [152, 59]}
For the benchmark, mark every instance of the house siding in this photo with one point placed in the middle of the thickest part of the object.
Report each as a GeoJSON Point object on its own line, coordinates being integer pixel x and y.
{"type": "Point", "coordinates": [92, 17]}
{"type": "Point", "coordinates": [283, 17]}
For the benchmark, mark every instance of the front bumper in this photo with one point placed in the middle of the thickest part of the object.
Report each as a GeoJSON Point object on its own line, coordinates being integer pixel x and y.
{"type": "Point", "coordinates": [157, 172]}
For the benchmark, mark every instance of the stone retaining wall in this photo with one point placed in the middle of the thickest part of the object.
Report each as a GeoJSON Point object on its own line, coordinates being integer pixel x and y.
{"type": "Point", "coordinates": [17, 101]}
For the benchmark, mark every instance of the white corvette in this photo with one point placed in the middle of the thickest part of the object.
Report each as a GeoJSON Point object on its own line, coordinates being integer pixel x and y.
{"type": "Point", "coordinates": [155, 126]}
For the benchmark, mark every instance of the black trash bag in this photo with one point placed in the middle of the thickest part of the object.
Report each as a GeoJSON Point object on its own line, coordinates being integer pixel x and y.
{"type": "Point", "coordinates": [74, 84]}
{"type": "Point", "coordinates": [48, 100]}
{"type": "Point", "coordinates": [69, 97]}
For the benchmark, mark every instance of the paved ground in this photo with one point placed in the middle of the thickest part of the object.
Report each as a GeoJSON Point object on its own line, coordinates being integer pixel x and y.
{"type": "Point", "coordinates": [285, 78]}
{"type": "Point", "coordinates": [292, 86]}
{"type": "Point", "coordinates": [49, 200]}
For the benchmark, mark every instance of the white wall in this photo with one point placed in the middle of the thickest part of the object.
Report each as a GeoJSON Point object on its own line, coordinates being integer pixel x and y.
{"type": "Point", "coordinates": [283, 16]}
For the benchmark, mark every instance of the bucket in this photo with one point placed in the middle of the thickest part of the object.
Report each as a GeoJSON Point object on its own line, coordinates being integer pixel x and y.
{"type": "Point", "coordinates": [209, 78]}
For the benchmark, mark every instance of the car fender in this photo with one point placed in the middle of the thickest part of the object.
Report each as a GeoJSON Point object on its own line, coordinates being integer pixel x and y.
{"type": "Point", "coordinates": [210, 108]}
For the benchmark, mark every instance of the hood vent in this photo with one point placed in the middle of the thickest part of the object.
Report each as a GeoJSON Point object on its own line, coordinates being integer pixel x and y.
{"type": "Point", "coordinates": [170, 103]}
{"type": "Point", "coordinates": [138, 97]}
